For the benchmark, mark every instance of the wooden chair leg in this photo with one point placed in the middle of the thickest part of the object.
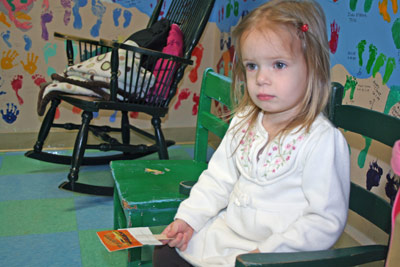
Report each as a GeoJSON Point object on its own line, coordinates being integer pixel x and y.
{"type": "Point", "coordinates": [125, 129]}
{"type": "Point", "coordinates": [46, 125]}
{"type": "Point", "coordinates": [160, 140]}
{"type": "Point", "coordinates": [79, 147]}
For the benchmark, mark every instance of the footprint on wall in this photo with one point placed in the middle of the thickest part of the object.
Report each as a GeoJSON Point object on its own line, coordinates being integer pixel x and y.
{"type": "Point", "coordinates": [38, 79]}
{"type": "Point", "coordinates": [116, 15]}
{"type": "Point", "coordinates": [45, 18]}
{"type": "Point", "coordinates": [364, 152]}
{"type": "Point", "coordinates": [49, 50]}
{"type": "Point", "coordinates": [28, 42]}
{"type": "Point", "coordinates": [113, 116]}
{"type": "Point", "coordinates": [367, 5]}
{"type": "Point", "coordinates": [78, 4]}
{"type": "Point", "coordinates": [66, 4]}
{"type": "Point", "coordinates": [16, 85]}
{"type": "Point", "coordinates": [127, 18]}
{"type": "Point", "coordinates": [98, 9]}
{"type": "Point", "coordinates": [390, 65]}
{"type": "Point", "coordinates": [127, 15]}
{"type": "Point", "coordinates": [373, 51]}
{"type": "Point", "coordinates": [6, 38]}
{"type": "Point", "coordinates": [183, 95]}
{"type": "Point", "coordinates": [376, 62]}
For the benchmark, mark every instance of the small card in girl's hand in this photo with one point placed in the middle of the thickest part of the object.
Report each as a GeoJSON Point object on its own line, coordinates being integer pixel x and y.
{"type": "Point", "coordinates": [121, 239]}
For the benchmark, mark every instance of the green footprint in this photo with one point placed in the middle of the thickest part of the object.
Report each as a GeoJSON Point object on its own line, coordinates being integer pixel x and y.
{"type": "Point", "coordinates": [396, 33]}
{"type": "Point", "coordinates": [373, 51]}
{"type": "Point", "coordinates": [367, 5]}
{"type": "Point", "coordinates": [363, 153]}
{"type": "Point", "coordinates": [353, 4]}
{"type": "Point", "coordinates": [380, 61]}
{"type": "Point", "coordinates": [390, 65]}
{"type": "Point", "coordinates": [361, 48]}
{"type": "Point", "coordinates": [393, 98]}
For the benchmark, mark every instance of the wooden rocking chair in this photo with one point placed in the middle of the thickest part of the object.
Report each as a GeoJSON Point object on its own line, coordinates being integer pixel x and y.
{"type": "Point", "coordinates": [149, 93]}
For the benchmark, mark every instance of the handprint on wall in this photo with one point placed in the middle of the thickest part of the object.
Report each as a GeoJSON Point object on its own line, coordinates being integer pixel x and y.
{"type": "Point", "coordinates": [10, 114]}
{"type": "Point", "coordinates": [333, 42]}
{"type": "Point", "coordinates": [30, 65]}
{"type": "Point", "coordinates": [351, 83]}
{"type": "Point", "coordinates": [392, 186]}
{"type": "Point", "coordinates": [374, 175]}
{"type": "Point", "coordinates": [8, 58]}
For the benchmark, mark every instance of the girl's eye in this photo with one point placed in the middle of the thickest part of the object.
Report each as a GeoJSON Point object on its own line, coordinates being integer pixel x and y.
{"type": "Point", "coordinates": [279, 65]}
{"type": "Point", "coordinates": [250, 66]}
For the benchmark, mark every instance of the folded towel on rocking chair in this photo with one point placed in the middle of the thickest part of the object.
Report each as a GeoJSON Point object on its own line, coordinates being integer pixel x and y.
{"type": "Point", "coordinates": [92, 77]}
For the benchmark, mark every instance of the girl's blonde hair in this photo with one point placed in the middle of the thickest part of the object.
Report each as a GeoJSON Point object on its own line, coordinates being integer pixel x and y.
{"type": "Point", "coordinates": [291, 15]}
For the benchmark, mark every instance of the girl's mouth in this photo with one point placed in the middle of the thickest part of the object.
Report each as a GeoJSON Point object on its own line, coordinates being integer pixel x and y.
{"type": "Point", "coordinates": [264, 97]}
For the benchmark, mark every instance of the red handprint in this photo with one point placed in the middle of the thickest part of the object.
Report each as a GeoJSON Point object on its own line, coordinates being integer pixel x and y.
{"type": "Point", "coordinates": [333, 43]}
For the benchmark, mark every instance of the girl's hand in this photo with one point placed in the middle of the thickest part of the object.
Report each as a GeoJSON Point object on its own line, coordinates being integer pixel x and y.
{"type": "Point", "coordinates": [181, 232]}
{"type": "Point", "coordinates": [255, 251]}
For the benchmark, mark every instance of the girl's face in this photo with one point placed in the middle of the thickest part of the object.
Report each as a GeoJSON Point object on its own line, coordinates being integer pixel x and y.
{"type": "Point", "coordinates": [276, 72]}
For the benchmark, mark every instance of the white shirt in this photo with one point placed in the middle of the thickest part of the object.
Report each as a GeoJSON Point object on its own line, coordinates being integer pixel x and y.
{"type": "Point", "coordinates": [287, 196]}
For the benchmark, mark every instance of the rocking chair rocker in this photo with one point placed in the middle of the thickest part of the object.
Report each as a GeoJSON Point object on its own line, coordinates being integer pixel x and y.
{"type": "Point", "coordinates": [146, 83]}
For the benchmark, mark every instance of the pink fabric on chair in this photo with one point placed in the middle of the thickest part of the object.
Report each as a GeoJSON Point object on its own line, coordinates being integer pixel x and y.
{"type": "Point", "coordinates": [395, 162]}
{"type": "Point", "coordinates": [164, 69]}
{"type": "Point", "coordinates": [394, 246]}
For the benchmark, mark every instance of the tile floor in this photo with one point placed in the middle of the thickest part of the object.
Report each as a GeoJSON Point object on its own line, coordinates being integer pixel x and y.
{"type": "Point", "coordinates": [42, 225]}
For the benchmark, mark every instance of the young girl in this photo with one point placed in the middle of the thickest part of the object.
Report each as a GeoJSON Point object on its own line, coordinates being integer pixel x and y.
{"type": "Point", "coordinates": [279, 181]}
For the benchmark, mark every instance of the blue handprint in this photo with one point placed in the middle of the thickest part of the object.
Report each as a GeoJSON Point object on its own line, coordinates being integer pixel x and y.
{"type": "Point", "coordinates": [11, 113]}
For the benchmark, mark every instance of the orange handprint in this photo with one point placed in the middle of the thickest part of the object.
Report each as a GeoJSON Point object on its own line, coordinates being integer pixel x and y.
{"type": "Point", "coordinates": [7, 59]}
{"type": "Point", "coordinates": [30, 65]}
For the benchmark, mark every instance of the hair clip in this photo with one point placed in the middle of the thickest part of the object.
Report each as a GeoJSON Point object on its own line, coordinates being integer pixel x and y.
{"type": "Point", "coordinates": [304, 28]}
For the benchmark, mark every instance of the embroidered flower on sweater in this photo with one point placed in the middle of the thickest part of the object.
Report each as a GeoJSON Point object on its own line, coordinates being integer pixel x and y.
{"type": "Point", "coordinates": [279, 154]}
{"type": "Point", "coordinates": [246, 145]}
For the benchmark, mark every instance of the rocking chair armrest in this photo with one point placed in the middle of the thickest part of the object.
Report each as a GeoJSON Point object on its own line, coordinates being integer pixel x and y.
{"type": "Point", "coordinates": [76, 38]}
{"type": "Point", "coordinates": [334, 257]}
{"type": "Point", "coordinates": [145, 51]}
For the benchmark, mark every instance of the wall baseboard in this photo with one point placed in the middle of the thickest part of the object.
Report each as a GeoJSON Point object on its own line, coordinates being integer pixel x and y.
{"type": "Point", "coordinates": [66, 139]}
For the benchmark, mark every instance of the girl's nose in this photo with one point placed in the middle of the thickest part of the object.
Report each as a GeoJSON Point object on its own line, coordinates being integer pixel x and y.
{"type": "Point", "coordinates": [263, 77]}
